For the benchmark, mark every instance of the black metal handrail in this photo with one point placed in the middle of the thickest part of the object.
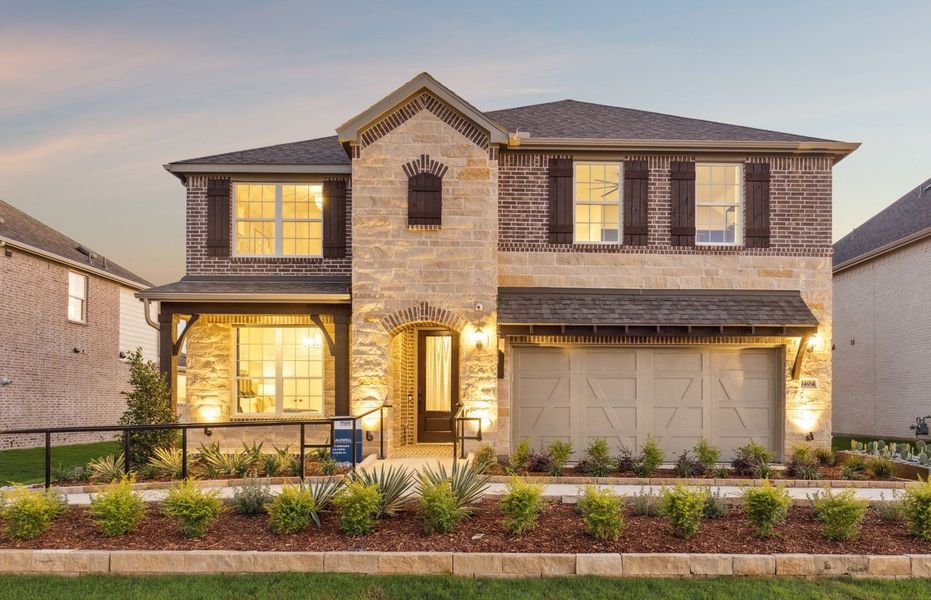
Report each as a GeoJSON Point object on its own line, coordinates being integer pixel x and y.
{"type": "Point", "coordinates": [459, 436]}
{"type": "Point", "coordinates": [127, 431]}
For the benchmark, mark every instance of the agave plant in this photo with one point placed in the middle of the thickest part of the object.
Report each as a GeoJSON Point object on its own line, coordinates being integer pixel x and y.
{"type": "Point", "coordinates": [323, 494]}
{"type": "Point", "coordinates": [467, 483]}
{"type": "Point", "coordinates": [271, 464]}
{"type": "Point", "coordinates": [254, 451]}
{"type": "Point", "coordinates": [287, 458]}
{"type": "Point", "coordinates": [106, 468]}
{"type": "Point", "coordinates": [167, 462]}
{"type": "Point", "coordinates": [394, 485]}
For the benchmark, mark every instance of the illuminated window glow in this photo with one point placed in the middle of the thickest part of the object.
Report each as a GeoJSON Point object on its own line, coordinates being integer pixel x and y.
{"type": "Point", "coordinates": [597, 202]}
{"type": "Point", "coordinates": [279, 370]}
{"type": "Point", "coordinates": [718, 195]}
{"type": "Point", "coordinates": [278, 219]}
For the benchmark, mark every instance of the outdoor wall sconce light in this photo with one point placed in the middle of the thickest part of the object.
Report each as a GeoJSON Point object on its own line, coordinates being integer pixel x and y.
{"type": "Point", "coordinates": [816, 343]}
{"type": "Point", "coordinates": [480, 337]}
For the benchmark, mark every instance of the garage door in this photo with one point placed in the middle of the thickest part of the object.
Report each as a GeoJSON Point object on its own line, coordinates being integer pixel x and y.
{"type": "Point", "coordinates": [678, 395]}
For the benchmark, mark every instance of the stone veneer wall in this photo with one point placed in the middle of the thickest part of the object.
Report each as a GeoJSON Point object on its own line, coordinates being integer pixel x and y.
{"type": "Point", "coordinates": [420, 274]}
{"type": "Point", "coordinates": [210, 363]}
{"type": "Point", "coordinates": [403, 369]}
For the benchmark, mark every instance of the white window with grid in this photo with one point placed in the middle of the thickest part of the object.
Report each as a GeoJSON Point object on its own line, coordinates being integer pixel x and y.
{"type": "Point", "coordinates": [597, 189]}
{"type": "Point", "coordinates": [718, 204]}
{"type": "Point", "coordinates": [77, 297]}
{"type": "Point", "coordinates": [278, 219]}
{"type": "Point", "coordinates": [279, 371]}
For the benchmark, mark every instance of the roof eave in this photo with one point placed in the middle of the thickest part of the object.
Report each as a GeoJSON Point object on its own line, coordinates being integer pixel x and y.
{"type": "Point", "coordinates": [79, 266]}
{"type": "Point", "coordinates": [262, 298]}
{"type": "Point", "coordinates": [349, 131]}
{"type": "Point", "coordinates": [877, 252]}
{"type": "Point", "coordinates": [837, 149]}
{"type": "Point", "coordinates": [178, 169]}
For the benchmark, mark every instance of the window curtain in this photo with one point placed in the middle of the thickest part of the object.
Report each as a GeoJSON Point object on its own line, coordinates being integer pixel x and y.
{"type": "Point", "coordinates": [438, 373]}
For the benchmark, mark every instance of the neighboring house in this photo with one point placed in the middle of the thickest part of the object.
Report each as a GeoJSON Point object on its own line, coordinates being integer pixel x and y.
{"type": "Point", "coordinates": [563, 270]}
{"type": "Point", "coordinates": [882, 320]}
{"type": "Point", "coordinates": [67, 318]}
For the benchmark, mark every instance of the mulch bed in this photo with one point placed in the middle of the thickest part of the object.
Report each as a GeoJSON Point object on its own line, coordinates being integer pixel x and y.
{"type": "Point", "coordinates": [558, 530]}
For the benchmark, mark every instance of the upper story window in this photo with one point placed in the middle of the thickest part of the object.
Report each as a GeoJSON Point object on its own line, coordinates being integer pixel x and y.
{"type": "Point", "coordinates": [77, 297]}
{"type": "Point", "coordinates": [718, 198]}
{"type": "Point", "coordinates": [278, 219]}
{"type": "Point", "coordinates": [597, 188]}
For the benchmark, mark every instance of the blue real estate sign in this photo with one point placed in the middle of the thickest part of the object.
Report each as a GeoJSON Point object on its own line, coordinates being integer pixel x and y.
{"type": "Point", "coordinates": [343, 442]}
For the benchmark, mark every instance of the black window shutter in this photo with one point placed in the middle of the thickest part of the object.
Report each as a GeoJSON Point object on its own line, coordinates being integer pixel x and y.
{"type": "Point", "coordinates": [757, 231]}
{"type": "Point", "coordinates": [560, 201]}
{"type": "Point", "coordinates": [218, 216]}
{"type": "Point", "coordinates": [682, 182]}
{"type": "Point", "coordinates": [424, 200]}
{"type": "Point", "coordinates": [334, 219]}
{"type": "Point", "coordinates": [636, 184]}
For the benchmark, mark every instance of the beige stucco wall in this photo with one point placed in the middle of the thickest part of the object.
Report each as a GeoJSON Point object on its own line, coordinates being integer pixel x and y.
{"type": "Point", "coordinates": [397, 269]}
{"type": "Point", "coordinates": [808, 411]}
{"type": "Point", "coordinates": [882, 360]}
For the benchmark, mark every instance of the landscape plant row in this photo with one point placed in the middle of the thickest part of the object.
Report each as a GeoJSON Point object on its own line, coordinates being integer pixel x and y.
{"type": "Point", "coordinates": [447, 498]}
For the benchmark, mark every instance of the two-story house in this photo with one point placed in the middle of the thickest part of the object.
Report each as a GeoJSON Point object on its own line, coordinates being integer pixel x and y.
{"type": "Point", "coordinates": [563, 270]}
{"type": "Point", "coordinates": [68, 319]}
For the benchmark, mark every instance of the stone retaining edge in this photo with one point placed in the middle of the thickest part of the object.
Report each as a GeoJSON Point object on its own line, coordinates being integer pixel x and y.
{"type": "Point", "coordinates": [144, 562]}
{"type": "Point", "coordinates": [700, 482]}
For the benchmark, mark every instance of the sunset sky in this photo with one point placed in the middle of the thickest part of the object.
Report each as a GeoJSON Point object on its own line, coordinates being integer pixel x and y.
{"type": "Point", "coordinates": [96, 96]}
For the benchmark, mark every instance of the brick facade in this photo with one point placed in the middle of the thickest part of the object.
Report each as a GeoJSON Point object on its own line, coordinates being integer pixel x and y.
{"type": "Point", "coordinates": [800, 213]}
{"type": "Point", "coordinates": [64, 374]}
{"type": "Point", "coordinates": [199, 263]}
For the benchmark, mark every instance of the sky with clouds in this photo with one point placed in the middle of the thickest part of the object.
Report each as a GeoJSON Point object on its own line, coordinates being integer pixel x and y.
{"type": "Point", "coordinates": [96, 95]}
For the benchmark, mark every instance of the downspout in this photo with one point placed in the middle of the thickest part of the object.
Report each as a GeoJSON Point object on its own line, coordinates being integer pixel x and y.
{"type": "Point", "coordinates": [148, 314]}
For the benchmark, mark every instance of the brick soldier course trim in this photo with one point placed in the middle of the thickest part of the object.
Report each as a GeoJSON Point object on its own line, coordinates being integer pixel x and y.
{"type": "Point", "coordinates": [419, 315]}
{"type": "Point", "coordinates": [425, 101]}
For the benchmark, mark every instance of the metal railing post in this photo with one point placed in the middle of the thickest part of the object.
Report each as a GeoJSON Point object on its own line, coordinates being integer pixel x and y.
{"type": "Point", "coordinates": [301, 469]}
{"type": "Point", "coordinates": [184, 453]}
{"type": "Point", "coordinates": [48, 459]}
{"type": "Point", "coordinates": [126, 451]}
{"type": "Point", "coordinates": [462, 453]}
{"type": "Point", "coordinates": [353, 447]}
{"type": "Point", "coordinates": [381, 433]}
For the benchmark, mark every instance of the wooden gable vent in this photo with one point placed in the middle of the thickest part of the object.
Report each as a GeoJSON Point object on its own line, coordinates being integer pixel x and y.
{"type": "Point", "coordinates": [425, 192]}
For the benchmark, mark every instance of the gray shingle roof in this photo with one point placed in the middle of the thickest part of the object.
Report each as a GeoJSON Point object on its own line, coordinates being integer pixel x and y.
{"type": "Point", "coordinates": [318, 151]}
{"type": "Point", "coordinates": [557, 306]}
{"type": "Point", "coordinates": [18, 226]}
{"type": "Point", "coordinates": [906, 216]}
{"type": "Point", "coordinates": [575, 119]}
{"type": "Point", "coordinates": [246, 285]}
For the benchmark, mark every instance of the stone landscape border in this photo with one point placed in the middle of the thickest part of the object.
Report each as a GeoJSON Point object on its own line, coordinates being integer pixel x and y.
{"type": "Point", "coordinates": [512, 565]}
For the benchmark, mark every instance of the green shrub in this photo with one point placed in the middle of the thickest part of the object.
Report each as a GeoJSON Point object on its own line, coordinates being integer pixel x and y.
{"type": "Point", "coordinates": [880, 468]}
{"type": "Point", "coordinates": [441, 513]}
{"type": "Point", "coordinates": [466, 482]}
{"type": "Point", "coordinates": [597, 461]}
{"type": "Point", "coordinates": [76, 473]}
{"type": "Point", "coordinates": [106, 468]}
{"type": "Point", "coordinates": [716, 507]}
{"type": "Point", "coordinates": [825, 456]}
{"type": "Point", "coordinates": [520, 457]}
{"type": "Point", "coordinates": [854, 468]}
{"type": "Point", "coordinates": [148, 403]}
{"type": "Point", "coordinates": [118, 510]}
{"type": "Point", "coordinates": [803, 467]}
{"type": "Point", "coordinates": [840, 513]}
{"type": "Point", "coordinates": [29, 513]}
{"type": "Point", "coordinates": [601, 513]}
{"type": "Point", "coordinates": [272, 464]}
{"type": "Point", "coordinates": [521, 505]}
{"type": "Point", "coordinates": [683, 508]}
{"type": "Point", "coordinates": [251, 497]}
{"type": "Point", "coordinates": [625, 461]}
{"type": "Point", "coordinates": [195, 509]}
{"type": "Point", "coordinates": [328, 465]}
{"type": "Point", "coordinates": [651, 455]}
{"type": "Point", "coordinates": [803, 453]}
{"type": "Point", "coordinates": [747, 459]}
{"type": "Point", "coordinates": [917, 507]}
{"type": "Point", "coordinates": [762, 470]}
{"type": "Point", "coordinates": [645, 504]}
{"type": "Point", "coordinates": [766, 508]}
{"type": "Point", "coordinates": [287, 461]}
{"type": "Point", "coordinates": [890, 510]}
{"type": "Point", "coordinates": [292, 510]}
{"type": "Point", "coordinates": [485, 458]}
{"type": "Point", "coordinates": [167, 462]}
{"type": "Point", "coordinates": [686, 466]}
{"type": "Point", "coordinates": [357, 504]}
{"type": "Point", "coordinates": [559, 454]}
{"type": "Point", "coordinates": [706, 454]}
{"type": "Point", "coordinates": [394, 485]}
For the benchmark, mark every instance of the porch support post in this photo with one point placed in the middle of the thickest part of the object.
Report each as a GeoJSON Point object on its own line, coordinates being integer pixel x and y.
{"type": "Point", "coordinates": [341, 360]}
{"type": "Point", "coordinates": [167, 359]}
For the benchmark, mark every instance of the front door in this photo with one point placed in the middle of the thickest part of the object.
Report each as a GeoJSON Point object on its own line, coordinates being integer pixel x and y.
{"type": "Point", "coordinates": [437, 385]}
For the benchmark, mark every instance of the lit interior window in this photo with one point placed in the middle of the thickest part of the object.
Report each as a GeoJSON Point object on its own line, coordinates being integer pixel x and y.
{"type": "Point", "coordinates": [278, 219]}
{"type": "Point", "coordinates": [279, 370]}
{"type": "Point", "coordinates": [597, 202]}
{"type": "Point", "coordinates": [717, 204]}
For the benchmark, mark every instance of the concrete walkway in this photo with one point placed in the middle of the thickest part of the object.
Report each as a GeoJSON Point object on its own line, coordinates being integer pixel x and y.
{"type": "Point", "coordinates": [566, 491]}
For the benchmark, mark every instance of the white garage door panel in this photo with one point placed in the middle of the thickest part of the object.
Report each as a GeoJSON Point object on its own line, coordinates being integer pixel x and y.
{"type": "Point", "coordinates": [622, 394]}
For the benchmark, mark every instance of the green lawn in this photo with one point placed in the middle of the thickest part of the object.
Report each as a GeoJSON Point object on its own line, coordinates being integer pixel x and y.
{"type": "Point", "coordinates": [27, 465]}
{"type": "Point", "coordinates": [325, 587]}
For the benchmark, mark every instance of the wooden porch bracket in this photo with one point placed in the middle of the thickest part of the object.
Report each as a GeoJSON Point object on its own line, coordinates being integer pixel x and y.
{"type": "Point", "coordinates": [800, 356]}
{"type": "Point", "coordinates": [178, 343]}
{"type": "Point", "coordinates": [326, 334]}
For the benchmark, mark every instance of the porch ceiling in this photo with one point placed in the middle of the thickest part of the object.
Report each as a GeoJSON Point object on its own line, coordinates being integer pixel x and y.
{"type": "Point", "coordinates": [549, 311]}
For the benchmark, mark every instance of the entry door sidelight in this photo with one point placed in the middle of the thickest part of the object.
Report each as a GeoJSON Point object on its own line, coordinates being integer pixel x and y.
{"type": "Point", "coordinates": [437, 385]}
